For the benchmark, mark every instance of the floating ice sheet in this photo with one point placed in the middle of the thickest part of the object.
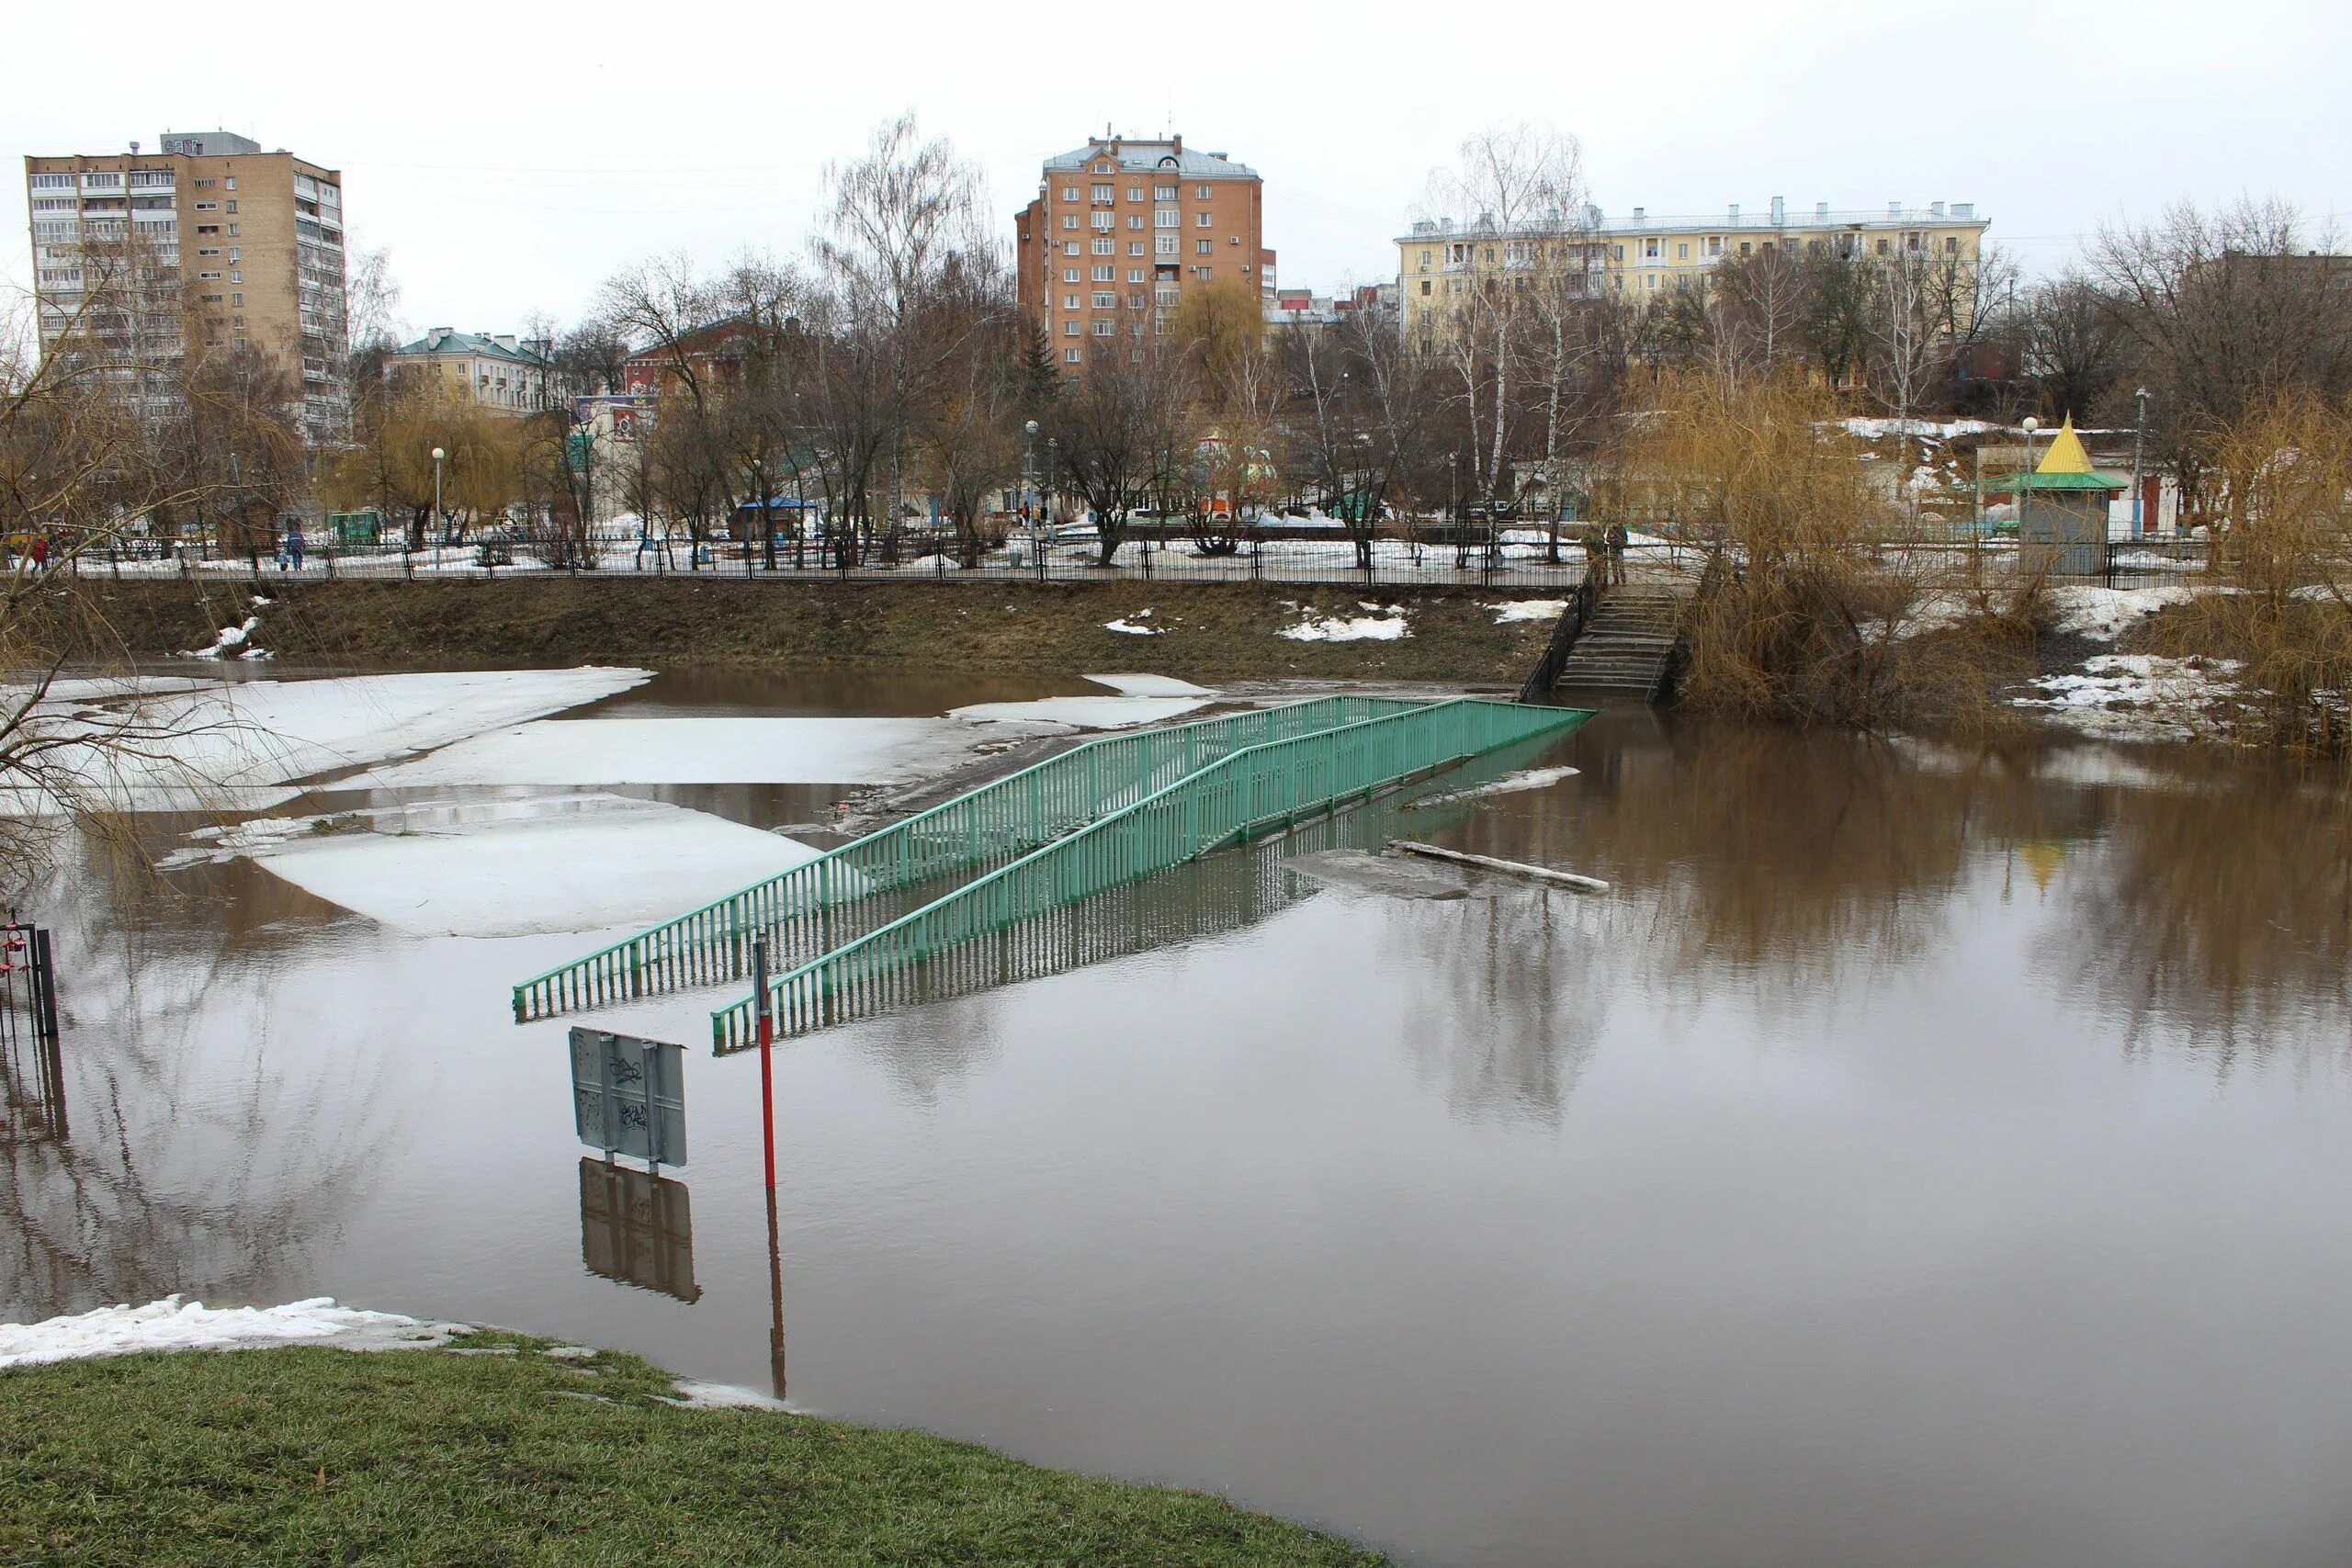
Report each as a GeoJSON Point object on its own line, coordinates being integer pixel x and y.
{"type": "Point", "coordinates": [1086, 713]}
{"type": "Point", "coordinates": [698, 750]}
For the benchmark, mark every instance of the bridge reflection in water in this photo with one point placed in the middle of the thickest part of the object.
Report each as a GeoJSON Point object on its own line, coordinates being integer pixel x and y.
{"type": "Point", "coordinates": [1212, 896]}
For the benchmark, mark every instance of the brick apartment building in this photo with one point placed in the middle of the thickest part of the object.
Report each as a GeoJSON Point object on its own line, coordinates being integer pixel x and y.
{"type": "Point", "coordinates": [1122, 231]}
{"type": "Point", "coordinates": [225, 247]}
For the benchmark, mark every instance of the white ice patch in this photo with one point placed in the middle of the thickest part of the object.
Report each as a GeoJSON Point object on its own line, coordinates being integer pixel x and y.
{"type": "Point", "coordinates": [227, 641]}
{"type": "Point", "coordinates": [174, 1325]}
{"type": "Point", "coordinates": [696, 750]}
{"type": "Point", "coordinates": [1149, 685]}
{"type": "Point", "coordinates": [559, 864]}
{"type": "Point", "coordinates": [1518, 610]}
{"type": "Point", "coordinates": [1382, 626]}
{"type": "Point", "coordinates": [2140, 696]}
{"type": "Point", "coordinates": [179, 748]}
{"type": "Point", "coordinates": [2106, 613]}
{"type": "Point", "coordinates": [1083, 713]}
{"type": "Point", "coordinates": [1510, 784]}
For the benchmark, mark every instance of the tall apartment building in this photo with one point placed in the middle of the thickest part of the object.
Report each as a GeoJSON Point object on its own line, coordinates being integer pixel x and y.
{"type": "Point", "coordinates": [1123, 229]}
{"type": "Point", "coordinates": [148, 261]}
{"type": "Point", "coordinates": [1642, 257]}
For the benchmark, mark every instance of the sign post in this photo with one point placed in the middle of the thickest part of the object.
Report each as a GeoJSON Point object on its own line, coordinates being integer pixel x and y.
{"type": "Point", "coordinates": [767, 1036]}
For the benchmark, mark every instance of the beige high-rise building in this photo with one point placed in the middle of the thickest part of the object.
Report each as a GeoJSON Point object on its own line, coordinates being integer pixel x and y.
{"type": "Point", "coordinates": [220, 246]}
{"type": "Point", "coordinates": [1122, 231]}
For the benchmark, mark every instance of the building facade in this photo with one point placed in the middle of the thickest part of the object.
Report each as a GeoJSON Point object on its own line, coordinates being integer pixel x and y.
{"type": "Point", "coordinates": [497, 370]}
{"type": "Point", "coordinates": [148, 262]}
{"type": "Point", "coordinates": [1644, 258]}
{"type": "Point", "coordinates": [1122, 231]}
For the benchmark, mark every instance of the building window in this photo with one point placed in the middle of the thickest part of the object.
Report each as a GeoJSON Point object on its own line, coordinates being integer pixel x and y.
{"type": "Point", "coordinates": [1200, 192]}
{"type": "Point", "coordinates": [1070, 275]}
{"type": "Point", "coordinates": [207, 206]}
{"type": "Point", "coordinates": [1952, 244]}
{"type": "Point", "coordinates": [1135, 193]}
{"type": "Point", "coordinates": [1203, 247]}
{"type": "Point", "coordinates": [1135, 274]}
{"type": "Point", "coordinates": [1102, 327]}
{"type": "Point", "coordinates": [1201, 219]}
{"type": "Point", "coordinates": [1163, 244]}
{"type": "Point", "coordinates": [1069, 302]}
{"type": "Point", "coordinates": [1069, 193]}
{"type": "Point", "coordinates": [1202, 273]}
{"type": "Point", "coordinates": [232, 203]}
{"type": "Point", "coordinates": [1135, 247]}
{"type": "Point", "coordinates": [1425, 260]}
{"type": "Point", "coordinates": [1134, 219]}
{"type": "Point", "coordinates": [1070, 329]}
{"type": "Point", "coordinates": [1650, 250]}
{"type": "Point", "coordinates": [1069, 220]}
{"type": "Point", "coordinates": [1104, 195]}
{"type": "Point", "coordinates": [1159, 193]}
{"type": "Point", "coordinates": [1104, 168]}
{"type": "Point", "coordinates": [1106, 247]}
{"type": "Point", "coordinates": [1617, 253]}
{"type": "Point", "coordinates": [1104, 219]}
{"type": "Point", "coordinates": [52, 182]}
{"type": "Point", "coordinates": [1069, 247]}
{"type": "Point", "coordinates": [228, 183]}
{"type": "Point", "coordinates": [1164, 218]}
{"type": "Point", "coordinates": [1682, 251]}
{"type": "Point", "coordinates": [1070, 357]}
{"type": "Point", "coordinates": [1744, 248]}
{"type": "Point", "coordinates": [1425, 287]}
{"type": "Point", "coordinates": [1105, 302]}
{"type": "Point", "coordinates": [1105, 273]}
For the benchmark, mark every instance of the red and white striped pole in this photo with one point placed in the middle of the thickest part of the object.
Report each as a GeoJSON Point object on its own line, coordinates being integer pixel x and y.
{"type": "Point", "coordinates": [767, 1038]}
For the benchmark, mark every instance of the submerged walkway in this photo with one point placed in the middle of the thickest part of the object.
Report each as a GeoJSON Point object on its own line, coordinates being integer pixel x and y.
{"type": "Point", "coordinates": [1253, 789]}
{"type": "Point", "coordinates": [860, 886]}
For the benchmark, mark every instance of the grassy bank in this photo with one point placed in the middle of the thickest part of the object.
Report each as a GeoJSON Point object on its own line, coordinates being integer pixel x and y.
{"type": "Point", "coordinates": [304, 1456]}
{"type": "Point", "coordinates": [1220, 632]}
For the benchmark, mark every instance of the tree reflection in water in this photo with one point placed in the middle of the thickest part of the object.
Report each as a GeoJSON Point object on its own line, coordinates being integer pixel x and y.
{"type": "Point", "coordinates": [199, 1160]}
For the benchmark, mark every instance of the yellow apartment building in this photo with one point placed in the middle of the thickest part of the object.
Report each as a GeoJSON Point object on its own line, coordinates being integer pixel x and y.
{"type": "Point", "coordinates": [1641, 257]}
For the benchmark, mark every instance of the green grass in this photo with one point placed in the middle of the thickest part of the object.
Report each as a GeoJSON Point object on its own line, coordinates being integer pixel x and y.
{"type": "Point", "coordinates": [317, 1456]}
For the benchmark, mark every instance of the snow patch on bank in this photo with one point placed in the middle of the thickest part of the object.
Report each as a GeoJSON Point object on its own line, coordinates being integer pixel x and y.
{"type": "Point", "coordinates": [1135, 627]}
{"type": "Point", "coordinates": [1528, 609]}
{"type": "Point", "coordinates": [2141, 697]}
{"type": "Point", "coordinates": [1383, 624]}
{"type": "Point", "coordinates": [2107, 612]}
{"type": "Point", "coordinates": [175, 1324]}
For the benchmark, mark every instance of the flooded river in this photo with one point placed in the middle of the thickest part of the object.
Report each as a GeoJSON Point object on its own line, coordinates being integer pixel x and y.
{"type": "Point", "coordinates": [1923, 1155]}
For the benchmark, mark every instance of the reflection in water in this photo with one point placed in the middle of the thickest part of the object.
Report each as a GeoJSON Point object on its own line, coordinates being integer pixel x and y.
{"type": "Point", "coordinates": [197, 1160]}
{"type": "Point", "coordinates": [636, 1228]}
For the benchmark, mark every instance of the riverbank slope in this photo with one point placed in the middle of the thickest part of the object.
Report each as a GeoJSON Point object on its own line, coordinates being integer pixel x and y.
{"type": "Point", "coordinates": [1219, 632]}
{"type": "Point", "coordinates": [496, 1450]}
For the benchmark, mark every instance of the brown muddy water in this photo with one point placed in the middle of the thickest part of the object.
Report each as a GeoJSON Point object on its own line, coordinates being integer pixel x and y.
{"type": "Point", "coordinates": [1923, 1155]}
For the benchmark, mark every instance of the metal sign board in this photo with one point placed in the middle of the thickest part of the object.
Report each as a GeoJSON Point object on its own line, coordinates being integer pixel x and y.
{"type": "Point", "coordinates": [628, 1096]}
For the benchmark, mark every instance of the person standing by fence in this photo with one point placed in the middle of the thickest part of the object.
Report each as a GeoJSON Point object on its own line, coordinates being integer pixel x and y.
{"type": "Point", "coordinates": [1616, 554]}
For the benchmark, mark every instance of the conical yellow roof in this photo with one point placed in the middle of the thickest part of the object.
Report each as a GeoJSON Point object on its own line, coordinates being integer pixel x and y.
{"type": "Point", "coordinates": [2065, 454]}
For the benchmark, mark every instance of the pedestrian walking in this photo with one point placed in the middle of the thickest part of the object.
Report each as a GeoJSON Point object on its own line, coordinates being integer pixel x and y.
{"type": "Point", "coordinates": [294, 545]}
{"type": "Point", "coordinates": [1596, 554]}
{"type": "Point", "coordinates": [1616, 554]}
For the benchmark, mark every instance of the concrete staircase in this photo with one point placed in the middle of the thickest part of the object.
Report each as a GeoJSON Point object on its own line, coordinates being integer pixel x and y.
{"type": "Point", "coordinates": [1627, 644]}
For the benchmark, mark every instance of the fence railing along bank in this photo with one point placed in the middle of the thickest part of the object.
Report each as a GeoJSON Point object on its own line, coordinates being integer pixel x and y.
{"type": "Point", "coordinates": [1253, 789]}
{"type": "Point", "coordinates": [845, 892]}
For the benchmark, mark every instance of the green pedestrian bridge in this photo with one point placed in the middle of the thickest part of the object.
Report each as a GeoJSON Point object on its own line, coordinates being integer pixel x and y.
{"type": "Point", "coordinates": [869, 926]}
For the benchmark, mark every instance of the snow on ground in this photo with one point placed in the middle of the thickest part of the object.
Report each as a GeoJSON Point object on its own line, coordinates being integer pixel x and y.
{"type": "Point", "coordinates": [1135, 627]}
{"type": "Point", "coordinates": [232, 738]}
{"type": "Point", "coordinates": [1878, 429]}
{"type": "Point", "coordinates": [2106, 613]}
{"type": "Point", "coordinates": [2149, 560]}
{"type": "Point", "coordinates": [695, 751]}
{"type": "Point", "coordinates": [1380, 625]}
{"type": "Point", "coordinates": [227, 642]}
{"type": "Point", "coordinates": [1528, 609]}
{"type": "Point", "coordinates": [1084, 713]}
{"type": "Point", "coordinates": [174, 1325]}
{"type": "Point", "coordinates": [2140, 696]}
{"type": "Point", "coordinates": [1510, 784]}
{"type": "Point", "coordinates": [559, 863]}
{"type": "Point", "coordinates": [1149, 685]}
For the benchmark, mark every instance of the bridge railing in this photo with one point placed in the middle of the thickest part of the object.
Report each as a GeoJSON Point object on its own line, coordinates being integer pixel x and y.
{"type": "Point", "coordinates": [1250, 789]}
{"type": "Point", "coordinates": [822, 903]}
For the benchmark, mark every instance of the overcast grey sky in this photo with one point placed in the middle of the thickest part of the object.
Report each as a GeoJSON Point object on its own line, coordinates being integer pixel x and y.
{"type": "Point", "coordinates": [511, 156]}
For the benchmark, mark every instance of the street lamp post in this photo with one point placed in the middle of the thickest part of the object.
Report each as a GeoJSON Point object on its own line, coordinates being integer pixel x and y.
{"type": "Point", "coordinates": [767, 519]}
{"type": "Point", "coordinates": [1029, 481]}
{"type": "Point", "coordinates": [2139, 435]}
{"type": "Point", "coordinates": [440, 525]}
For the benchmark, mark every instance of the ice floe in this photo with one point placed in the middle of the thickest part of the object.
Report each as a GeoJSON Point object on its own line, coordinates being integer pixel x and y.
{"type": "Point", "coordinates": [1149, 686]}
{"type": "Point", "coordinates": [1084, 713]}
{"type": "Point", "coordinates": [696, 750]}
